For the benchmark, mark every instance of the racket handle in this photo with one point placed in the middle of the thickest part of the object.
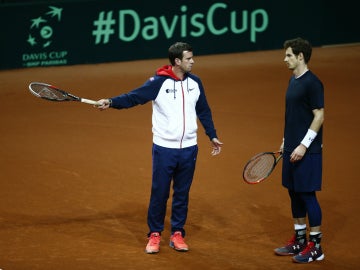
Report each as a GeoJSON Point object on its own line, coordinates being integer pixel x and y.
{"type": "Point", "coordinates": [89, 101]}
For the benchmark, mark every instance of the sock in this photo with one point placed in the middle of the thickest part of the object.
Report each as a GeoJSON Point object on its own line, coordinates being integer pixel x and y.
{"type": "Point", "coordinates": [300, 233]}
{"type": "Point", "coordinates": [299, 226]}
{"type": "Point", "coordinates": [316, 238]}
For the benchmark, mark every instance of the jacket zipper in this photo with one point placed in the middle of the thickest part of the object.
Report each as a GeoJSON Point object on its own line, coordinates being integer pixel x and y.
{"type": "Point", "coordinates": [183, 107]}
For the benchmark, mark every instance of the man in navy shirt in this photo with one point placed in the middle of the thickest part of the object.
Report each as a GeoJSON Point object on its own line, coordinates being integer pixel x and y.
{"type": "Point", "coordinates": [302, 152]}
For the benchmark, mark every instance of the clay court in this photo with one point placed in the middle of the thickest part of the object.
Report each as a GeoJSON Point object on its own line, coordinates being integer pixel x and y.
{"type": "Point", "coordinates": [75, 182]}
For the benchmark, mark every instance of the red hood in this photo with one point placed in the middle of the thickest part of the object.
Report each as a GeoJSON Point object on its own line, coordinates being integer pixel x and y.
{"type": "Point", "coordinates": [167, 71]}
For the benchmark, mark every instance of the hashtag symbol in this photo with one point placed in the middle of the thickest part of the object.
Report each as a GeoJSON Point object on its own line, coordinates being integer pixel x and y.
{"type": "Point", "coordinates": [104, 27]}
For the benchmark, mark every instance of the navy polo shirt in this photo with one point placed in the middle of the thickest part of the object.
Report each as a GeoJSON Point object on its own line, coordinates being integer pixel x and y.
{"type": "Point", "coordinates": [303, 95]}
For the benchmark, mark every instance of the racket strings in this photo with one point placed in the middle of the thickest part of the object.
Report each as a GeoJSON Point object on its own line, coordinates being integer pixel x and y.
{"type": "Point", "coordinates": [259, 168]}
{"type": "Point", "coordinates": [48, 93]}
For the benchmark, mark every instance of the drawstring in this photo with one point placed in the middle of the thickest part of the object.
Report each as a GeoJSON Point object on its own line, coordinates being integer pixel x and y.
{"type": "Point", "coordinates": [187, 86]}
{"type": "Point", "coordinates": [174, 90]}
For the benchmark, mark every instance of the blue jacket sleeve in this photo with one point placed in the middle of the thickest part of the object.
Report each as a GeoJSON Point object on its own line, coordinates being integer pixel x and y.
{"type": "Point", "coordinates": [139, 96]}
{"type": "Point", "coordinates": [204, 114]}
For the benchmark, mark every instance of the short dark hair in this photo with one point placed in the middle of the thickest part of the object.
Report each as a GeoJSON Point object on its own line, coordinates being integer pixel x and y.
{"type": "Point", "coordinates": [299, 45]}
{"type": "Point", "coordinates": [176, 51]}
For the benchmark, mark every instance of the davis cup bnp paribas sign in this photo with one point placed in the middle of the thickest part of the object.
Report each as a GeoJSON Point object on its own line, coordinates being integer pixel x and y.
{"type": "Point", "coordinates": [73, 33]}
{"type": "Point", "coordinates": [40, 38]}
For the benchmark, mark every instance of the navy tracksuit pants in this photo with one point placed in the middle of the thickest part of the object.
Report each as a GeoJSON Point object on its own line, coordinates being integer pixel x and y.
{"type": "Point", "coordinates": [177, 166]}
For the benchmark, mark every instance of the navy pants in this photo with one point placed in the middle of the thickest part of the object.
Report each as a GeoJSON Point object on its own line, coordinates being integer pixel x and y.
{"type": "Point", "coordinates": [303, 179]}
{"type": "Point", "coordinates": [175, 166]}
{"type": "Point", "coordinates": [306, 204]}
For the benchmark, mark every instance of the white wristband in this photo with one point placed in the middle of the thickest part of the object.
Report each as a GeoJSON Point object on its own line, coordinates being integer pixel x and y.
{"type": "Point", "coordinates": [309, 137]}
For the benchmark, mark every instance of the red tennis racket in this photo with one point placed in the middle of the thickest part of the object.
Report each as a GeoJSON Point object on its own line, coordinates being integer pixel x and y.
{"type": "Point", "coordinates": [259, 167]}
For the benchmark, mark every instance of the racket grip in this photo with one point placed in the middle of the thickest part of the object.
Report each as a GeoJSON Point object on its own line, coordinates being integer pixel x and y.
{"type": "Point", "coordinates": [89, 101]}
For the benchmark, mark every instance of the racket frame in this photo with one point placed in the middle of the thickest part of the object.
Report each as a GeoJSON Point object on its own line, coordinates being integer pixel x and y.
{"type": "Point", "coordinates": [67, 96]}
{"type": "Point", "coordinates": [277, 155]}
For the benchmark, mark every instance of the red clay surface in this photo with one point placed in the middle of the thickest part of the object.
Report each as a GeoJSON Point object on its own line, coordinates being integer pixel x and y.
{"type": "Point", "coordinates": [75, 182]}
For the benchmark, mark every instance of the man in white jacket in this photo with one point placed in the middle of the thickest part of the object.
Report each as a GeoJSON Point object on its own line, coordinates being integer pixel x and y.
{"type": "Point", "coordinates": [178, 100]}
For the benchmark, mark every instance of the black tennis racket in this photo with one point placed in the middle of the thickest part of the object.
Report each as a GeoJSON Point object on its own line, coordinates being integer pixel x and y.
{"type": "Point", "coordinates": [259, 167]}
{"type": "Point", "coordinates": [52, 93]}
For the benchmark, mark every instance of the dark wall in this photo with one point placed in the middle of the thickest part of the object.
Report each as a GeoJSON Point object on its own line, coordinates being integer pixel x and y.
{"type": "Point", "coordinates": [47, 33]}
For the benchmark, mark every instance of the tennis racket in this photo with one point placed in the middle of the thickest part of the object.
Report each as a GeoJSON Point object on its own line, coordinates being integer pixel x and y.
{"type": "Point", "coordinates": [259, 167]}
{"type": "Point", "coordinates": [52, 93]}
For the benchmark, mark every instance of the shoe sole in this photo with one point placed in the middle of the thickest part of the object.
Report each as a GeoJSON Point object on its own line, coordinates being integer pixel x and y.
{"type": "Point", "coordinates": [151, 252]}
{"type": "Point", "coordinates": [178, 249]}
{"type": "Point", "coordinates": [285, 254]}
{"type": "Point", "coordinates": [279, 253]}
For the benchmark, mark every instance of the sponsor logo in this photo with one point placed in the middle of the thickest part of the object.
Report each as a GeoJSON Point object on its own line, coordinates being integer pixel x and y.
{"type": "Point", "coordinates": [40, 37]}
{"type": "Point", "coordinates": [170, 90]}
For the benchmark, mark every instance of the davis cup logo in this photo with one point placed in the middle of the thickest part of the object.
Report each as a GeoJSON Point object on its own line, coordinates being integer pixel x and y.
{"type": "Point", "coordinates": [41, 31]}
{"type": "Point", "coordinates": [41, 36]}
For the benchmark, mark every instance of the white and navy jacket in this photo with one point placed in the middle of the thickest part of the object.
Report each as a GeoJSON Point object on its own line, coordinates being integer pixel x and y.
{"type": "Point", "coordinates": [176, 106]}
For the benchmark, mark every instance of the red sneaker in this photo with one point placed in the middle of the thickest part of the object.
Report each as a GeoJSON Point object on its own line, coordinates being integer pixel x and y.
{"type": "Point", "coordinates": [311, 253]}
{"type": "Point", "coordinates": [292, 247]}
{"type": "Point", "coordinates": [153, 246]}
{"type": "Point", "coordinates": [177, 242]}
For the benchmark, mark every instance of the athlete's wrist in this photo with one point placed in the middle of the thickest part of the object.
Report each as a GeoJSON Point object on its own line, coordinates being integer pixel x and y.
{"type": "Point", "coordinates": [309, 138]}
